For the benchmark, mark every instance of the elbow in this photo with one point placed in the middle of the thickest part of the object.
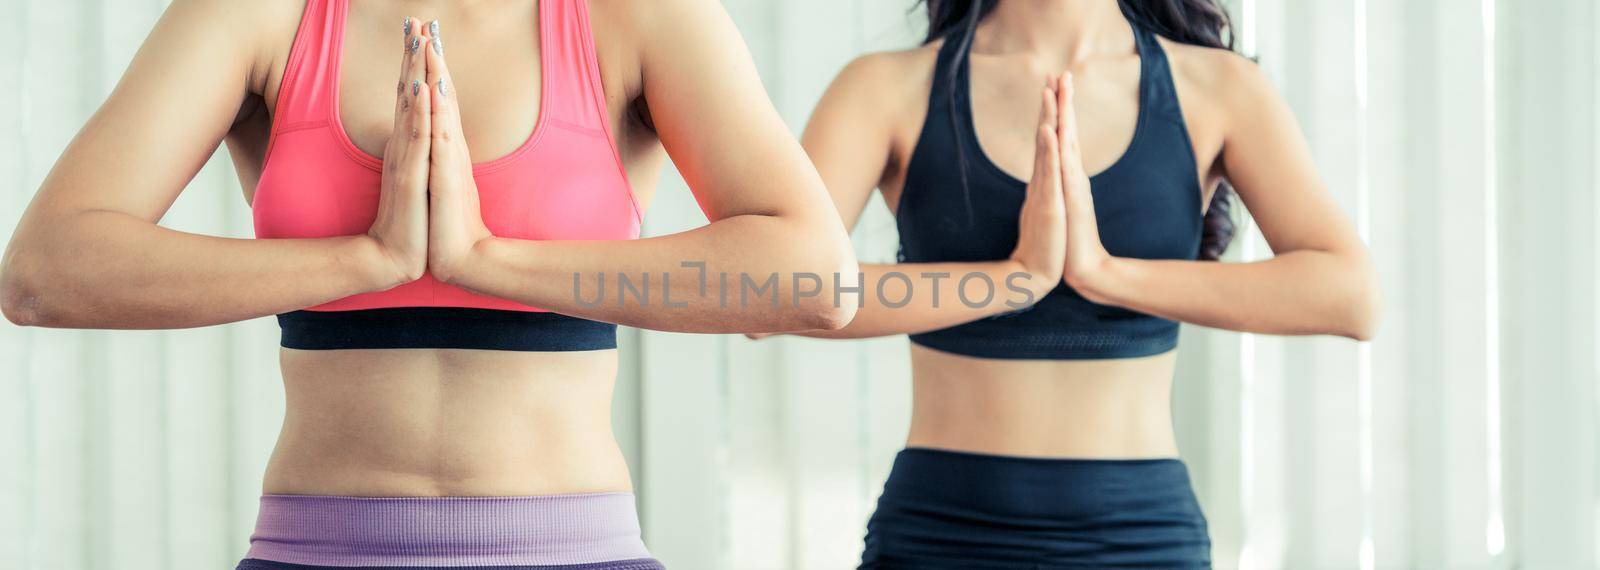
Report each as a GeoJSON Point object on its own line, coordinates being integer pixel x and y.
{"type": "Point", "coordinates": [1362, 310]}
{"type": "Point", "coordinates": [1359, 329]}
{"type": "Point", "coordinates": [835, 310]}
{"type": "Point", "coordinates": [19, 297]}
{"type": "Point", "coordinates": [1363, 318]}
{"type": "Point", "coordinates": [820, 275]}
{"type": "Point", "coordinates": [19, 308]}
{"type": "Point", "coordinates": [830, 315]}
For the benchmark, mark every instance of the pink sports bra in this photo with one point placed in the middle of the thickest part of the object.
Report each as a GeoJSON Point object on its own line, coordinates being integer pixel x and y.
{"type": "Point", "coordinates": [565, 182]}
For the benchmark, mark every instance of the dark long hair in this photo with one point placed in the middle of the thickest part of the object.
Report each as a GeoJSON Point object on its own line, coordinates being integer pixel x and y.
{"type": "Point", "coordinates": [1198, 22]}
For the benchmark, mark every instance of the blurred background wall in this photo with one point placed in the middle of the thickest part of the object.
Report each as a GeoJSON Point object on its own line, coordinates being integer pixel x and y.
{"type": "Point", "coordinates": [1462, 135]}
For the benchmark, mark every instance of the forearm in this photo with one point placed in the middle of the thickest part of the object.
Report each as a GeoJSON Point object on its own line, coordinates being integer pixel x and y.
{"type": "Point", "coordinates": [744, 273]}
{"type": "Point", "coordinates": [935, 299]}
{"type": "Point", "coordinates": [103, 269]}
{"type": "Point", "coordinates": [1297, 293]}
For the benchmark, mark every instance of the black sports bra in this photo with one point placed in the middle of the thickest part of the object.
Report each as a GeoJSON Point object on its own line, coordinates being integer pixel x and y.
{"type": "Point", "coordinates": [1147, 204]}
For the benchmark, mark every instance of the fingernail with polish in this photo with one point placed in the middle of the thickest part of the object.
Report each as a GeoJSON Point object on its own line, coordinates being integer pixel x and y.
{"type": "Point", "coordinates": [438, 46]}
{"type": "Point", "coordinates": [415, 42]}
{"type": "Point", "coordinates": [442, 89]}
{"type": "Point", "coordinates": [408, 27]}
{"type": "Point", "coordinates": [416, 87]}
{"type": "Point", "coordinates": [433, 28]}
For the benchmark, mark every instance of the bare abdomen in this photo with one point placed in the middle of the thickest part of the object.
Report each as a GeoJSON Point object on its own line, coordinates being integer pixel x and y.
{"type": "Point", "coordinates": [1098, 409]}
{"type": "Point", "coordinates": [393, 423]}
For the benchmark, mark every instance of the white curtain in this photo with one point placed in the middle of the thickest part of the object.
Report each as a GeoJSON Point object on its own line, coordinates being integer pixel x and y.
{"type": "Point", "coordinates": [1461, 134]}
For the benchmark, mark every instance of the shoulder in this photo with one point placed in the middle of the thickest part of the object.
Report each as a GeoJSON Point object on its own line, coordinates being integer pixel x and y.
{"type": "Point", "coordinates": [891, 78]}
{"type": "Point", "coordinates": [683, 33]}
{"type": "Point", "coordinates": [249, 20]}
{"type": "Point", "coordinates": [252, 33]}
{"type": "Point", "coordinates": [231, 9]}
{"type": "Point", "coordinates": [897, 66]}
{"type": "Point", "coordinates": [1221, 77]}
{"type": "Point", "coordinates": [650, 21]}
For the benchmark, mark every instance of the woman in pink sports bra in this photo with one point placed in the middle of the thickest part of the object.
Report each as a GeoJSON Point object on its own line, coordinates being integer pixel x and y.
{"type": "Point", "coordinates": [442, 248]}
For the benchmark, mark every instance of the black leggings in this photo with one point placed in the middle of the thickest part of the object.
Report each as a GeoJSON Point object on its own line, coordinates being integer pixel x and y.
{"type": "Point", "coordinates": [948, 510]}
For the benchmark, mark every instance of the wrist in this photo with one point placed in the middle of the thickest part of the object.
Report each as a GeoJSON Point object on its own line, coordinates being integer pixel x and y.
{"type": "Point", "coordinates": [1097, 281]}
{"type": "Point", "coordinates": [1036, 285]}
{"type": "Point", "coordinates": [369, 265]}
{"type": "Point", "coordinates": [459, 270]}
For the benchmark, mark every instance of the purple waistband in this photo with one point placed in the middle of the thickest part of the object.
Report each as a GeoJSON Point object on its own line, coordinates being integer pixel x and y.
{"type": "Point", "coordinates": [449, 531]}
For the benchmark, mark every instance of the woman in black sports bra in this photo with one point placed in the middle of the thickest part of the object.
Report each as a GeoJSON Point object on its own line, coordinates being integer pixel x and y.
{"type": "Point", "coordinates": [1043, 307]}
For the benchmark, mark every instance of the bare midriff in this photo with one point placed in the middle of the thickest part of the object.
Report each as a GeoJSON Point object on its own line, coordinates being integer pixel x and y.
{"type": "Point", "coordinates": [428, 423]}
{"type": "Point", "coordinates": [1095, 409]}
